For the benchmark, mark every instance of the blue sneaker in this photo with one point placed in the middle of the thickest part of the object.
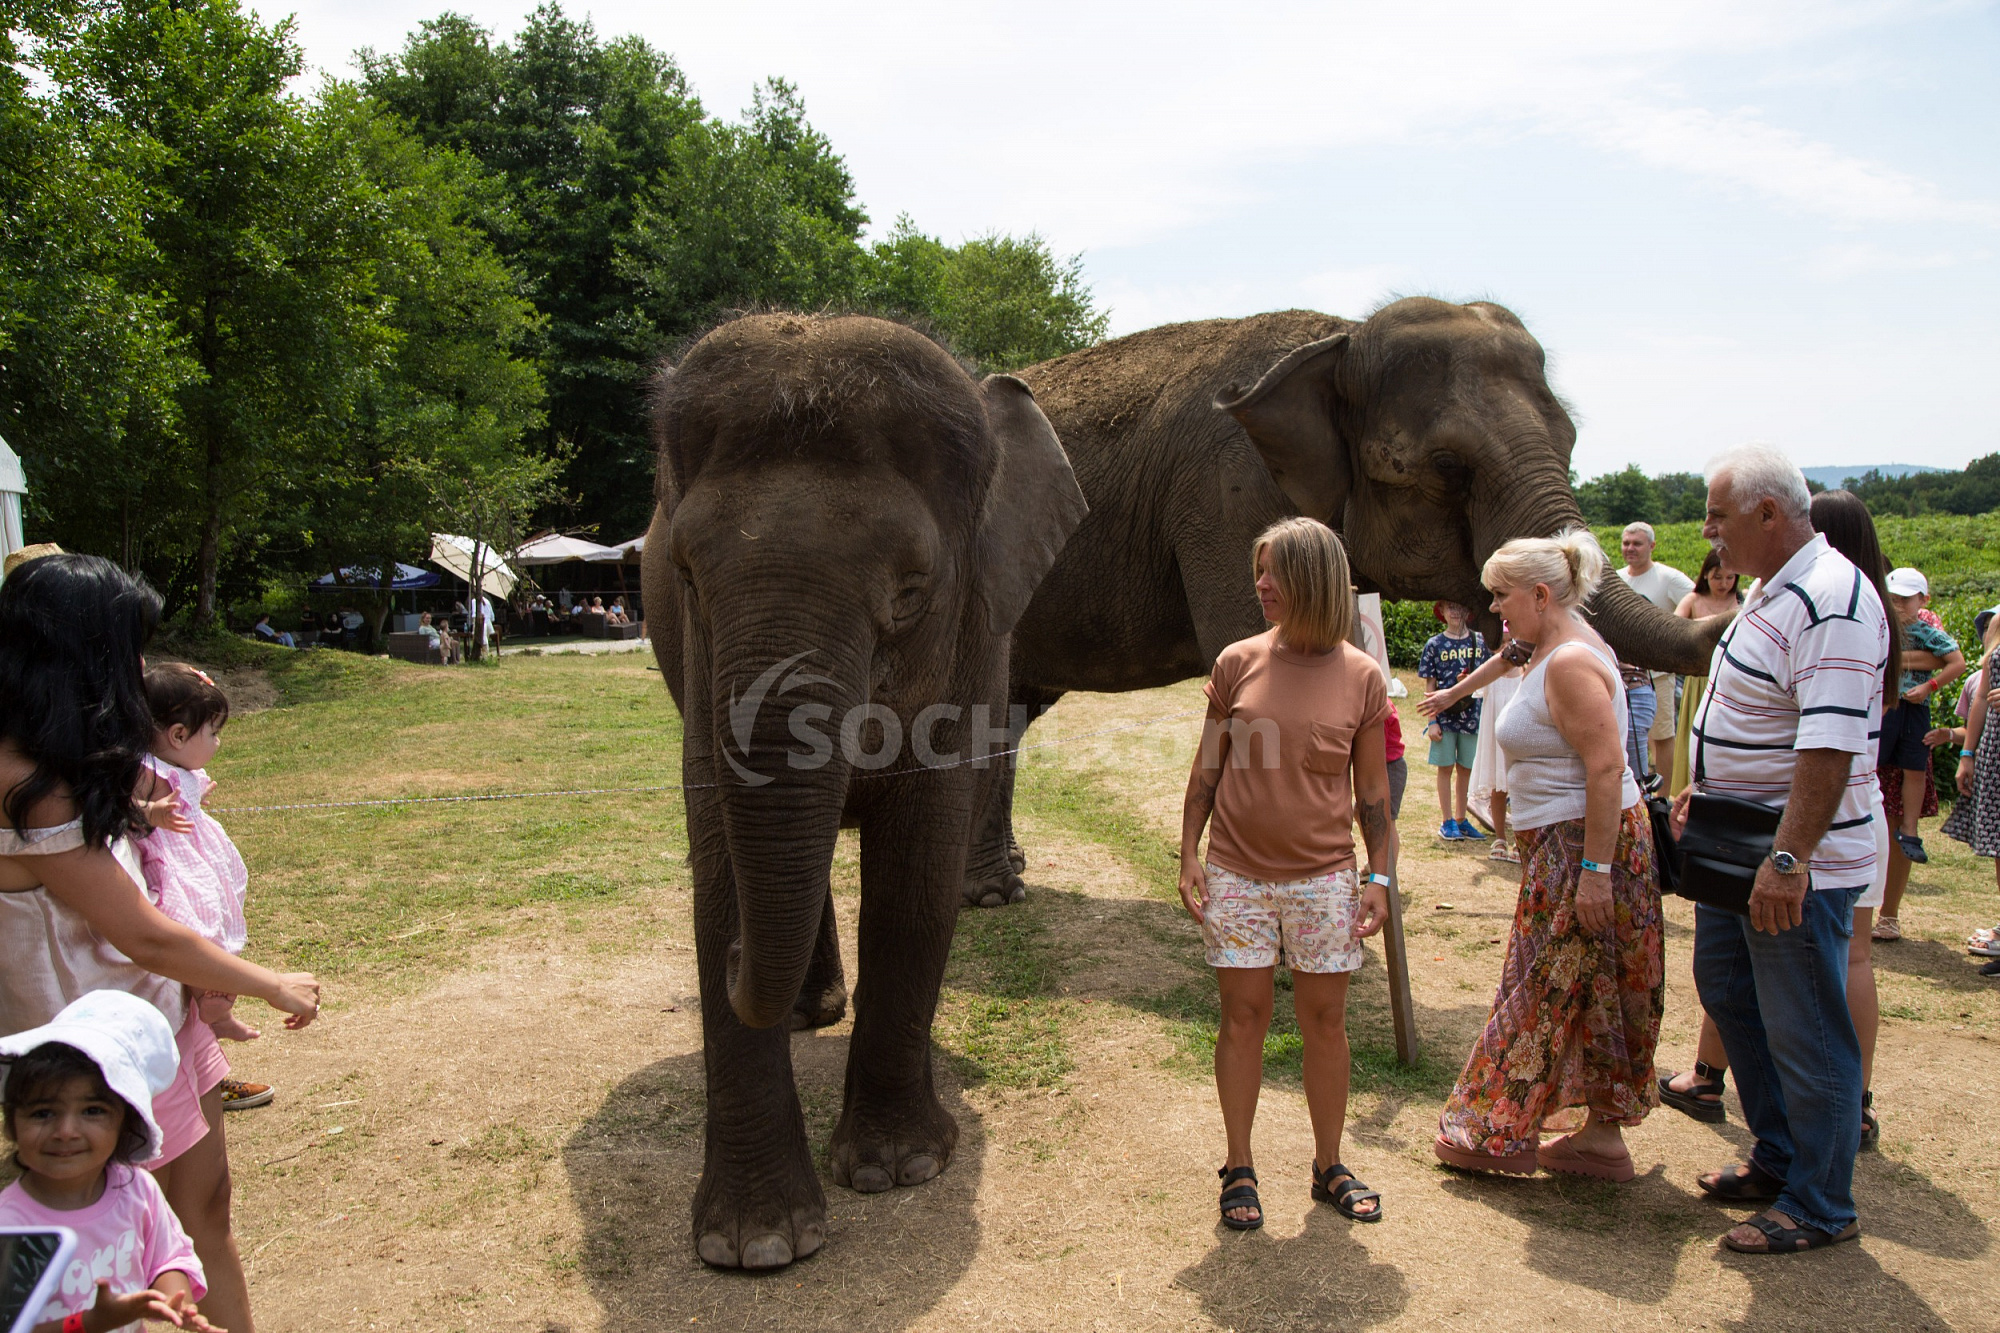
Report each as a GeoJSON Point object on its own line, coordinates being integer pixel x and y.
{"type": "Point", "coordinates": [1448, 830]}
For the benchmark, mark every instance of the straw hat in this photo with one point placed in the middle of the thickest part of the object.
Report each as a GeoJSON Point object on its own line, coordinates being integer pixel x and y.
{"type": "Point", "coordinates": [21, 557]}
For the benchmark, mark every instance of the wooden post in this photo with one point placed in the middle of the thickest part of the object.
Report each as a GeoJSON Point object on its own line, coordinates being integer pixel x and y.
{"type": "Point", "coordinates": [1401, 1011]}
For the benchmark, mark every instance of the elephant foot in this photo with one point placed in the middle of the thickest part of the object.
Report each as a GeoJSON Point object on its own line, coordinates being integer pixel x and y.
{"type": "Point", "coordinates": [993, 888]}
{"type": "Point", "coordinates": [821, 1010]}
{"type": "Point", "coordinates": [876, 1152]}
{"type": "Point", "coordinates": [744, 1221]}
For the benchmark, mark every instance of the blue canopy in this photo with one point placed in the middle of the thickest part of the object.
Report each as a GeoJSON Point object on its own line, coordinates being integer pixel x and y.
{"type": "Point", "coordinates": [407, 576]}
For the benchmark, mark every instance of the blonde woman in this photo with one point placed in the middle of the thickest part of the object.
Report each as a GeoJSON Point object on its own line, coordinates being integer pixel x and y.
{"type": "Point", "coordinates": [1292, 755]}
{"type": "Point", "coordinates": [1574, 1025]}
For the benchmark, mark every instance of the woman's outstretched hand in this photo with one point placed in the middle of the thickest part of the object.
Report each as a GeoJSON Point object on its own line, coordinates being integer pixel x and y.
{"type": "Point", "coordinates": [298, 996]}
{"type": "Point", "coordinates": [1194, 887]}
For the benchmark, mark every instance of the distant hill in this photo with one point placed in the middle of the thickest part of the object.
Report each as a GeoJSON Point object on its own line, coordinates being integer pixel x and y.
{"type": "Point", "coordinates": [1831, 477]}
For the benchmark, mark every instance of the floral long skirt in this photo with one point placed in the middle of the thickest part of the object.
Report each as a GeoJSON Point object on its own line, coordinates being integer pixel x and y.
{"type": "Point", "coordinates": [1577, 1015]}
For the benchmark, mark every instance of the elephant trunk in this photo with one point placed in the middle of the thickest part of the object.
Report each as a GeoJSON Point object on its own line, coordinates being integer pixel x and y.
{"type": "Point", "coordinates": [781, 802]}
{"type": "Point", "coordinates": [1536, 501]}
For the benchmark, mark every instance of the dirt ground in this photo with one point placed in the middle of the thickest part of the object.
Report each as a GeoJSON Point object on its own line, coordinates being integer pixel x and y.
{"type": "Point", "coordinates": [515, 1146]}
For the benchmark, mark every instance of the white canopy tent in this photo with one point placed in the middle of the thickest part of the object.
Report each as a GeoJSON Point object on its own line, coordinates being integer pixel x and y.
{"type": "Point", "coordinates": [459, 554]}
{"type": "Point", "coordinates": [554, 548]}
{"type": "Point", "coordinates": [13, 489]}
{"type": "Point", "coordinates": [621, 552]}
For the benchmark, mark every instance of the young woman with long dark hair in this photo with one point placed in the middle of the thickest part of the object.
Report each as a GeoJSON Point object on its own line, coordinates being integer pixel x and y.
{"type": "Point", "coordinates": [74, 918]}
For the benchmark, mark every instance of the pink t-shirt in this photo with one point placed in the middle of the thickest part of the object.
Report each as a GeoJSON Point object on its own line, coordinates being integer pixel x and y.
{"type": "Point", "coordinates": [128, 1238]}
{"type": "Point", "coordinates": [198, 877]}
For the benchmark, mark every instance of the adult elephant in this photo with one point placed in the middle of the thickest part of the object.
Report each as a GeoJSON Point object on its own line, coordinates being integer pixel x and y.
{"type": "Point", "coordinates": [1427, 435]}
{"type": "Point", "coordinates": [847, 529]}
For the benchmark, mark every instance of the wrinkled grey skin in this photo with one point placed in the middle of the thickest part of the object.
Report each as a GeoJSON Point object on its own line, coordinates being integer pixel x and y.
{"type": "Point", "coordinates": [844, 518]}
{"type": "Point", "coordinates": [1426, 435]}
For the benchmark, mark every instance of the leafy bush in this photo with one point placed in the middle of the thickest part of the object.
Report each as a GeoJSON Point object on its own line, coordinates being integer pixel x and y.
{"type": "Point", "coordinates": [1407, 626]}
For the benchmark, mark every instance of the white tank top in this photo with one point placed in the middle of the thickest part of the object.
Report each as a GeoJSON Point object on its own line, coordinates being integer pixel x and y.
{"type": "Point", "coordinates": [50, 956]}
{"type": "Point", "coordinates": [1545, 776]}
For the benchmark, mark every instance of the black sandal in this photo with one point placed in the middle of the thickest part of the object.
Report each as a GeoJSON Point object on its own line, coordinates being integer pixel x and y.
{"type": "Point", "coordinates": [1341, 1188]}
{"type": "Point", "coordinates": [1242, 1196]}
{"type": "Point", "coordinates": [1753, 1184]}
{"type": "Point", "coordinates": [1695, 1101]}
{"type": "Point", "coordinates": [1782, 1239]}
{"type": "Point", "coordinates": [1871, 1128]}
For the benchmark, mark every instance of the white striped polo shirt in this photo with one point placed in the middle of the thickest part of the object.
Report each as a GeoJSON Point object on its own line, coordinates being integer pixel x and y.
{"type": "Point", "coordinates": [1801, 669]}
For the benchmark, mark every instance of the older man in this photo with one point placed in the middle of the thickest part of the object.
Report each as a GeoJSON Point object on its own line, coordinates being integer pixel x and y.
{"type": "Point", "coordinates": [1663, 586]}
{"type": "Point", "coordinates": [1793, 707]}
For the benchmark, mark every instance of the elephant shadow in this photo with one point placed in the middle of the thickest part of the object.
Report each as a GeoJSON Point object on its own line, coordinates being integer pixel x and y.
{"type": "Point", "coordinates": [632, 1169]}
{"type": "Point", "coordinates": [1321, 1278]}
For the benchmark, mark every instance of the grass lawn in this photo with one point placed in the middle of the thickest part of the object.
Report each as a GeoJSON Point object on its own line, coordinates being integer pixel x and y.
{"type": "Point", "coordinates": [394, 893]}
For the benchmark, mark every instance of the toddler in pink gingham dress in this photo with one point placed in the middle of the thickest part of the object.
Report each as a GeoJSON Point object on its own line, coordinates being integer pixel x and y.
{"type": "Point", "coordinates": [192, 868]}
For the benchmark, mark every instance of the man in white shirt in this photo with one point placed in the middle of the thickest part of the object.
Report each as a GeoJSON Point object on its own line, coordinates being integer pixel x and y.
{"type": "Point", "coordinates": [1791, 720]}
{"type": "Point", "coordinates": [1663, 586]}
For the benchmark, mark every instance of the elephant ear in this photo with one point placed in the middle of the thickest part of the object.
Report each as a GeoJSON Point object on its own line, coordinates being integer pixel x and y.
{"type": "Point", "coordinates": [1290, 416]}
{"type": "Point", "coordinates": [1032, 506]}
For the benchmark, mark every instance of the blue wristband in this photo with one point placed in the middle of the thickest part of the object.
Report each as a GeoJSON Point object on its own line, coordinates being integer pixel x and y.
{"type": "Point", "coordinates": [1383, 880]}
{"type": "Point", "coordinates": [1597, 866]}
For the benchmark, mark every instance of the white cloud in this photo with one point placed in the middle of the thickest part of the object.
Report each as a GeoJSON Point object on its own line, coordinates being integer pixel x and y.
{"type": "Point", "coordinates": [1834, 263]}
{"type": "Point", "coordinates": [1107, 124]}
{"type": "Point", "coordinates": [1743, 150]}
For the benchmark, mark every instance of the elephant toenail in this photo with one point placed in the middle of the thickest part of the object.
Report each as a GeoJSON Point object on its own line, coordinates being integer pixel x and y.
{"type": "Point", "coordinates": [716, 1250]}
{"type": "Point", "coordinates": [811, 1237]}
{"type": "Point", "coordinates": [871, 1180]}
{"type": "Point", "coordinates": [767, 1251]}
{"type": "Point", "coordinates": [917, 1170]}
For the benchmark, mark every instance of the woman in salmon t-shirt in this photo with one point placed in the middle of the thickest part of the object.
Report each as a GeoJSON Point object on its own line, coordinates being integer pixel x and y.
{"type": "Point", "coordinates": [1291, 755]}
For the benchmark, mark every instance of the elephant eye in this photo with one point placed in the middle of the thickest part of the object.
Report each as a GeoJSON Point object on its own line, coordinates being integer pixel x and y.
{"type": "Point", "coordinates": [1451, 467]}
{"type": "Point", "coordinates": [909, 599]}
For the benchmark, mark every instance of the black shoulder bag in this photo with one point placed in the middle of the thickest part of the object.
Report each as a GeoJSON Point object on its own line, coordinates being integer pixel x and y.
{"type": "Point", "coordinates": [1726, 839]}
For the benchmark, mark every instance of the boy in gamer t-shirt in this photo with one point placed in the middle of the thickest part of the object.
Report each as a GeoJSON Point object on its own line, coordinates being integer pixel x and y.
{"type": "Point", "coordinates": [1454, 734]}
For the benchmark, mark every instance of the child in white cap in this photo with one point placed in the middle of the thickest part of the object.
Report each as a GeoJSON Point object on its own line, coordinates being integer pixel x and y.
{"type": "Point", "coordinates": [77, 1104]}
{"type": "Point", "coordinates": [1931, 661]}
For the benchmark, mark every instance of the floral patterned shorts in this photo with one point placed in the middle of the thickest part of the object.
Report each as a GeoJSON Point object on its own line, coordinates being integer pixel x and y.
{"type": "Point", "coordinates": [1307, 923]}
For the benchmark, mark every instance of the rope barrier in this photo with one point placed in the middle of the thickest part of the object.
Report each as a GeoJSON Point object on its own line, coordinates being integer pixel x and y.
{"type": "Point", "coordinates": [677, 786]}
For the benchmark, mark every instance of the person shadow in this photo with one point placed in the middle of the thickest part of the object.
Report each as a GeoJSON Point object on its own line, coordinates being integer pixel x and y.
{"type": "Point", "coordinates": [1321, 1278]}
{"type": "Point", "coordinates": [632, 1168]}
{"type": "Point", "coordinates": [1629, 1241]}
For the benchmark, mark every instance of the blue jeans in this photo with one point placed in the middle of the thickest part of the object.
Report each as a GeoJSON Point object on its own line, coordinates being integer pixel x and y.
{"type": "Point", "coordinates": [1642, 706]}
{"type": "Point", "coordinates": [1780, 1003]}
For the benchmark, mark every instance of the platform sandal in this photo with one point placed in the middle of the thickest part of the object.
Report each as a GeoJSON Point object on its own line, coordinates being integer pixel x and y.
{"type": "Point", "coordinates": [1241, 1196]}
{"type": "Point", "coordinates": [1343, 1189]}
{"type": "Point", "coordinates": [1696, 1101]}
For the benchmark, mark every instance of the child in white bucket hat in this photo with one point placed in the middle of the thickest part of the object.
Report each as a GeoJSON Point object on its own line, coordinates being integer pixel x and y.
{"type": "Point", "coordinates": [77, 1103]}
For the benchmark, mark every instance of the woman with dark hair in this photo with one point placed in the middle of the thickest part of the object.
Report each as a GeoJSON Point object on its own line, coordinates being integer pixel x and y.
{"type": "Point", "coordinates": [74, 730]}
{"type": "Point", "coordinates": [1849, 528]}
{"type": "Point", "coordinates": [1715, 594]}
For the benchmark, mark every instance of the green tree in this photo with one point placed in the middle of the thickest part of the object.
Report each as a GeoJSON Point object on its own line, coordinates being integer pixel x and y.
{"type": "Point", "coordinates": [1005, 302]}
{"type": "Point", "coordinates": [760, 214]}
{"type": "Point", "coordinates": [90, 365]}
{"type": "Point", "coordinates": [1976, 490]}
{"type": "Point", "coordinates": [580, 130]}
{"type": "Point", "coordinates": [449, 406]}
{"type": "Point", "coordinates": [1620, 497]}
{"type": "Point", "coordinates": [259, 222]}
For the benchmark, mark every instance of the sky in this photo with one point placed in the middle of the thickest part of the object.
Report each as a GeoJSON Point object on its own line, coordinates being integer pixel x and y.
{"type": "Point", "coordinates": [1724, 221]}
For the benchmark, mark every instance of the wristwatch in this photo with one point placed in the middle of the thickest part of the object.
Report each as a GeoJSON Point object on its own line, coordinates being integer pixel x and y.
{"type": "Point", "coordinates": [1787, 864]}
